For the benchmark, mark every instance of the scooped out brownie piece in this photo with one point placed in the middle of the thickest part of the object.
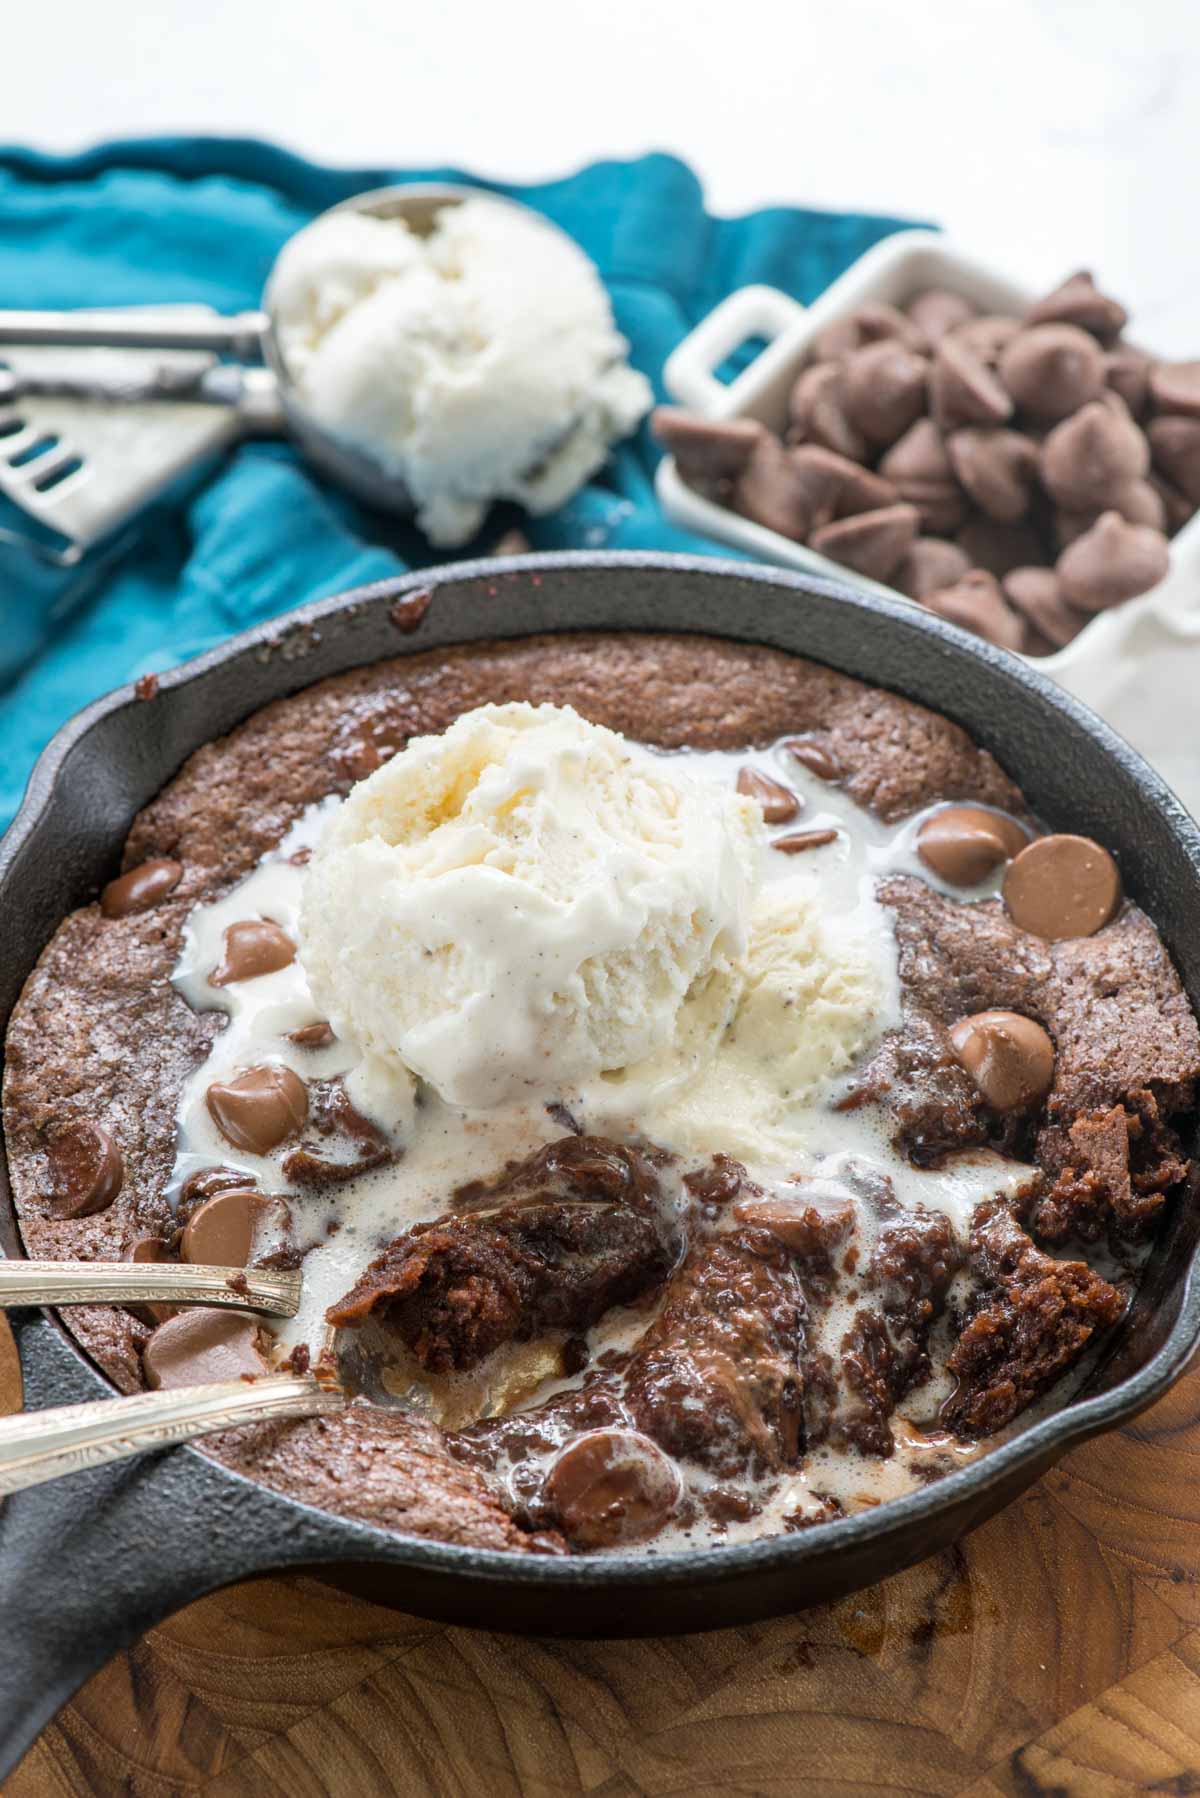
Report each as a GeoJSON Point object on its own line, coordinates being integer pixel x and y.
{"type": "Point", "coordinates": [1041, 1315]}
{"type": "Point", "coordinates": [456, 1290]}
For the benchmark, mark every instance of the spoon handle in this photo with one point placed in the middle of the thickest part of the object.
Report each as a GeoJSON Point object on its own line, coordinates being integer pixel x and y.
{"type": "Point", "coordinates": [240, 335]}
{"type": "Point", "coordinates": [42, 1445]}
{"type": "Point", "coordinates": [273, 1291]}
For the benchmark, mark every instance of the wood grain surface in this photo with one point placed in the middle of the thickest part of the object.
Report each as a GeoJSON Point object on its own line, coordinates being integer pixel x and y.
{"type": "Point", "coordinates": [1056, 1650]}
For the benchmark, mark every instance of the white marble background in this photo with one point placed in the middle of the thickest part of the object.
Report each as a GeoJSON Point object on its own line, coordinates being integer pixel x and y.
{"type": "Point", "coordinates": [1044, 134]}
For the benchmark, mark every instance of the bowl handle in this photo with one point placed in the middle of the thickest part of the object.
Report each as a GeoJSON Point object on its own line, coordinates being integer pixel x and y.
{"type": "Point", "coordinates": [750, 312]}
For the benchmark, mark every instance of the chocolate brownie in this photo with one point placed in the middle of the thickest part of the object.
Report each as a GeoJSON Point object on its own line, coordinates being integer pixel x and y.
{"type": "Point", "coordinates": [102, 1042]}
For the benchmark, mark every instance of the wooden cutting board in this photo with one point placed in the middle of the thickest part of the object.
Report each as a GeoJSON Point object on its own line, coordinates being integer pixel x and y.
{"type": "Point", "coordinates": [1056, 1650]}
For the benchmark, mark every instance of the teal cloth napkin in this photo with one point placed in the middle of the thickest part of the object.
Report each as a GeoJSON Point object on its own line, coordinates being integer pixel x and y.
{"type": "Point", "coordinates": [202, 219]}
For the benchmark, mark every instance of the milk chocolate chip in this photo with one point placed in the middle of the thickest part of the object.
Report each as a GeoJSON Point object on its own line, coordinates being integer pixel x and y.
{"type": "Point", "coordinates": [253, 946]}
{"type": "Point", "coordinates": [1112, 562]}
{"type": "Point", "coordinates": [919, 469]}
{"type": "Point", "coordinates": [930, 563]}
{"type": "Point", "coordinates": [612, 1486]}
{"type": "Point", "coordinates": [152, 1251]}
{"type": "Point", "coordinates": [1052, 370]}
{"type": "Point", "coordinates": [707, 450]}
{"type": "Point", "coordinates": [804, 1229]}
{"type": "Point", "coordinates": [312, 1036]}
{"type": "Point", "coordinates": [1062, 886]}
{"type": "Point", "coordinates": [987, 337]}
{"type": "Point", "coordinates": [199, 1346]}
{"type": "Point", "coordinates": [1036, 594]}
{"type": "Point", "coordinates": [815, 757]}
{"type": "Point", "coordinates": [1175, 387]}
{"type": "Point", "coordinates": [86, 1168]}
{"type": "Point", "coordinates": [997, 467]}
{"type": "Point", "coordinates": [998, 547]}
{"type": "Point", "coordinates": [1009, 1057]}
{"type": "Point", "coordinates": [221, 1233]}
{"type": "Point", "coordinates": [260, 1108]}
{"type": "Point", "coordinates": [937, 310]}
{"type": "Point", "coordinates": [1079, 302]}
{"type": "Point", "coordinates": [773, 492]}
{"type": "Point", "coordinates": [799, 840]}
{"type": "Point", "coordinates": [872, 543]}
{"type": "Point", "coordinates": [1175, 444]}
{"type": "Point", "coordinates": [883, 390]}
{"type": "Point", "coordinates": [778, 803]}
{"type": "Point", "coordinates": [976, 604]}
{"type": "Point", "coordinates": [209, 1180]}
{"type": "Point", "coordinates": [817, 409]}
{"type": "Point", "coordinates": [963, 390]}
{"type": "Point", "coordinates": [1127, 372]}
{"type": "Point", "coordinates": [140, 888]}
{"type": "Point", "coordinates": [1089, 458]}
{"type": "Point", "coordinates": [964, 843]}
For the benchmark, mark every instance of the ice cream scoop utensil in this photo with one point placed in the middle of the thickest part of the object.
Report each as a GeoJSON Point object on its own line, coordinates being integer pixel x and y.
{"type": "Point", "coordinates": [273, 1291]}
{"type": "Point", "coordinates": [75, 469]}
{"type": "Point", "coordinates": [42, 1445]}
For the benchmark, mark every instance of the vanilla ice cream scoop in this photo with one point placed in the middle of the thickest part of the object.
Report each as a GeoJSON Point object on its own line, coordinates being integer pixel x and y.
{"type": "Point", "coordinates": [477, 363]}
{"type": "Point", "coordinates": [524, 902]}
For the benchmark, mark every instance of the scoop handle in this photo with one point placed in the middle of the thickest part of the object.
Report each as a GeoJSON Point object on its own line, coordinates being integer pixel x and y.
{"type": "Point", "coordinates": [240, 334]}
{"type": "Point", "coordinates": [275, 1292]}
{"type": "Point", "coordinates": [37, 1446]}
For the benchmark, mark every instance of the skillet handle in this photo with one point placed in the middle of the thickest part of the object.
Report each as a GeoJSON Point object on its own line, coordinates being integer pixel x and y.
{"type": "Point", "coordinates": [90, 1563]}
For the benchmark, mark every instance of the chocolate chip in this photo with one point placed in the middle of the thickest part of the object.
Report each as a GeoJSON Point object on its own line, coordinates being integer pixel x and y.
{"type": "Point", "coordinates": [987, 337]}
{"type": "Point", "coordinates": [1175, 387]}
{"type": "Point", "coordinates": [815, 757]}
{"type": "Point", "coordinates": [919, 469]}
{"type": "Point", "coordinates": [140, 888]}
{"type": "Point", "coordinates": [774, 491]}
{"type": "Point", "coordinates": [1052, 370]}
{"type": "Point", "coordinates": [999, 547]}
{"type": "Point", "coordinates": [86, 1168]}
{"type": "Point", "coordinates": [705, 449]}
{"type": "Point", "coordinates": [817, 410]}
{"type": "Point", "coordinates": [1009, 1057]}
{"type": "Point", "coordinates": [300, 858]}
{"type": "Point", "coordinates": [221, 1233]}
{"type": "Point", "coordinates": [937, 310]}
{"type": "Point", "coordinates": [202, 1345]}
{"type": "Point", "coordinates": [209, 1180]}
{"type": "Point", "coordinates": [152, 1251]}
{"type": "Point", "coordinates": [1062, 886]}
{"type": "Point", "coordinates": [929, 564]}
{"type": "Point", "coordinates": [831, 486]}
{"type": "Point", "coordinates": [1138, 503]}
{"type": "Point", "coordinates": [976, 604]}
{"type": "Point", "coordinates": [253, 946]}
{"type": "Point", "coordinates": [799, 840]}
{"type": "Point", "coordinates": [1127, 372]}
{"type": "Point", "coordinates": [965, 843]}
{"type": "Point", "coordinates": [883, 390]}
{"type": "Point", "coordinates": [1112, 562]}
{"type": "Point", "coordinates": [778, 803]}
{"type": "Point", "coordinates": [997, 467]}
{"type": "Point", "coordinates": [963, 390]}
{"type": "Point", "coordinates": [312, 1036]}
{"type": "Point", "coordinates": [1036, 594]}
{"type": "Point", "coordinates": [407, 613]}
{"type": "Point", "coordinates": [1079, 302]}
{"type": "Point", "coordinates": [146, 687]}
{"type": "Point", "coordinates": [1175, 445]}
{"type": "Point", "coordinates": [612, 1486]}
{"type": "Point", "coordinates": [1091, 457]}
{"type": "Point", "coordinates": [872, 323]}
{"type": "Point", "coordinates": [260, 1108]}
{"type": "Point", "coordinates": [872, 543]}
{"type": "Point", "coordinates": [1177, 507]}
{"type": "Point", "coordinates": [836, 340]}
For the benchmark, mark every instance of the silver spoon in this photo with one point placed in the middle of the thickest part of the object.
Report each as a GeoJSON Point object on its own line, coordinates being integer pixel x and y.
{"type": "Point", "coordinates": [42, 1445]}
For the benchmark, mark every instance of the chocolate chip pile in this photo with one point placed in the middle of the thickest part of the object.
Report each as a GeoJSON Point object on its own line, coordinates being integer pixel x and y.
{"type": "Point", "coordinates": [1015, 475]}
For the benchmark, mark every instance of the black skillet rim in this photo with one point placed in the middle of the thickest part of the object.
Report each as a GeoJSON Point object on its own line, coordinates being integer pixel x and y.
{"type": "Point", "coordinates": [1040, 1443]}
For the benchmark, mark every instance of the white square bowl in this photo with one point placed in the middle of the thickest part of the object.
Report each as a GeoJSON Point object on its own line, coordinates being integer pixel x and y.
{"type": "Point", "coordinates": [892, 271]}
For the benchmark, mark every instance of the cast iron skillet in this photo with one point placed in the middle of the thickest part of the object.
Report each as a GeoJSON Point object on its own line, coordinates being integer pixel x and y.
{"type": "Point", "coordinates": [88, 1564]}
